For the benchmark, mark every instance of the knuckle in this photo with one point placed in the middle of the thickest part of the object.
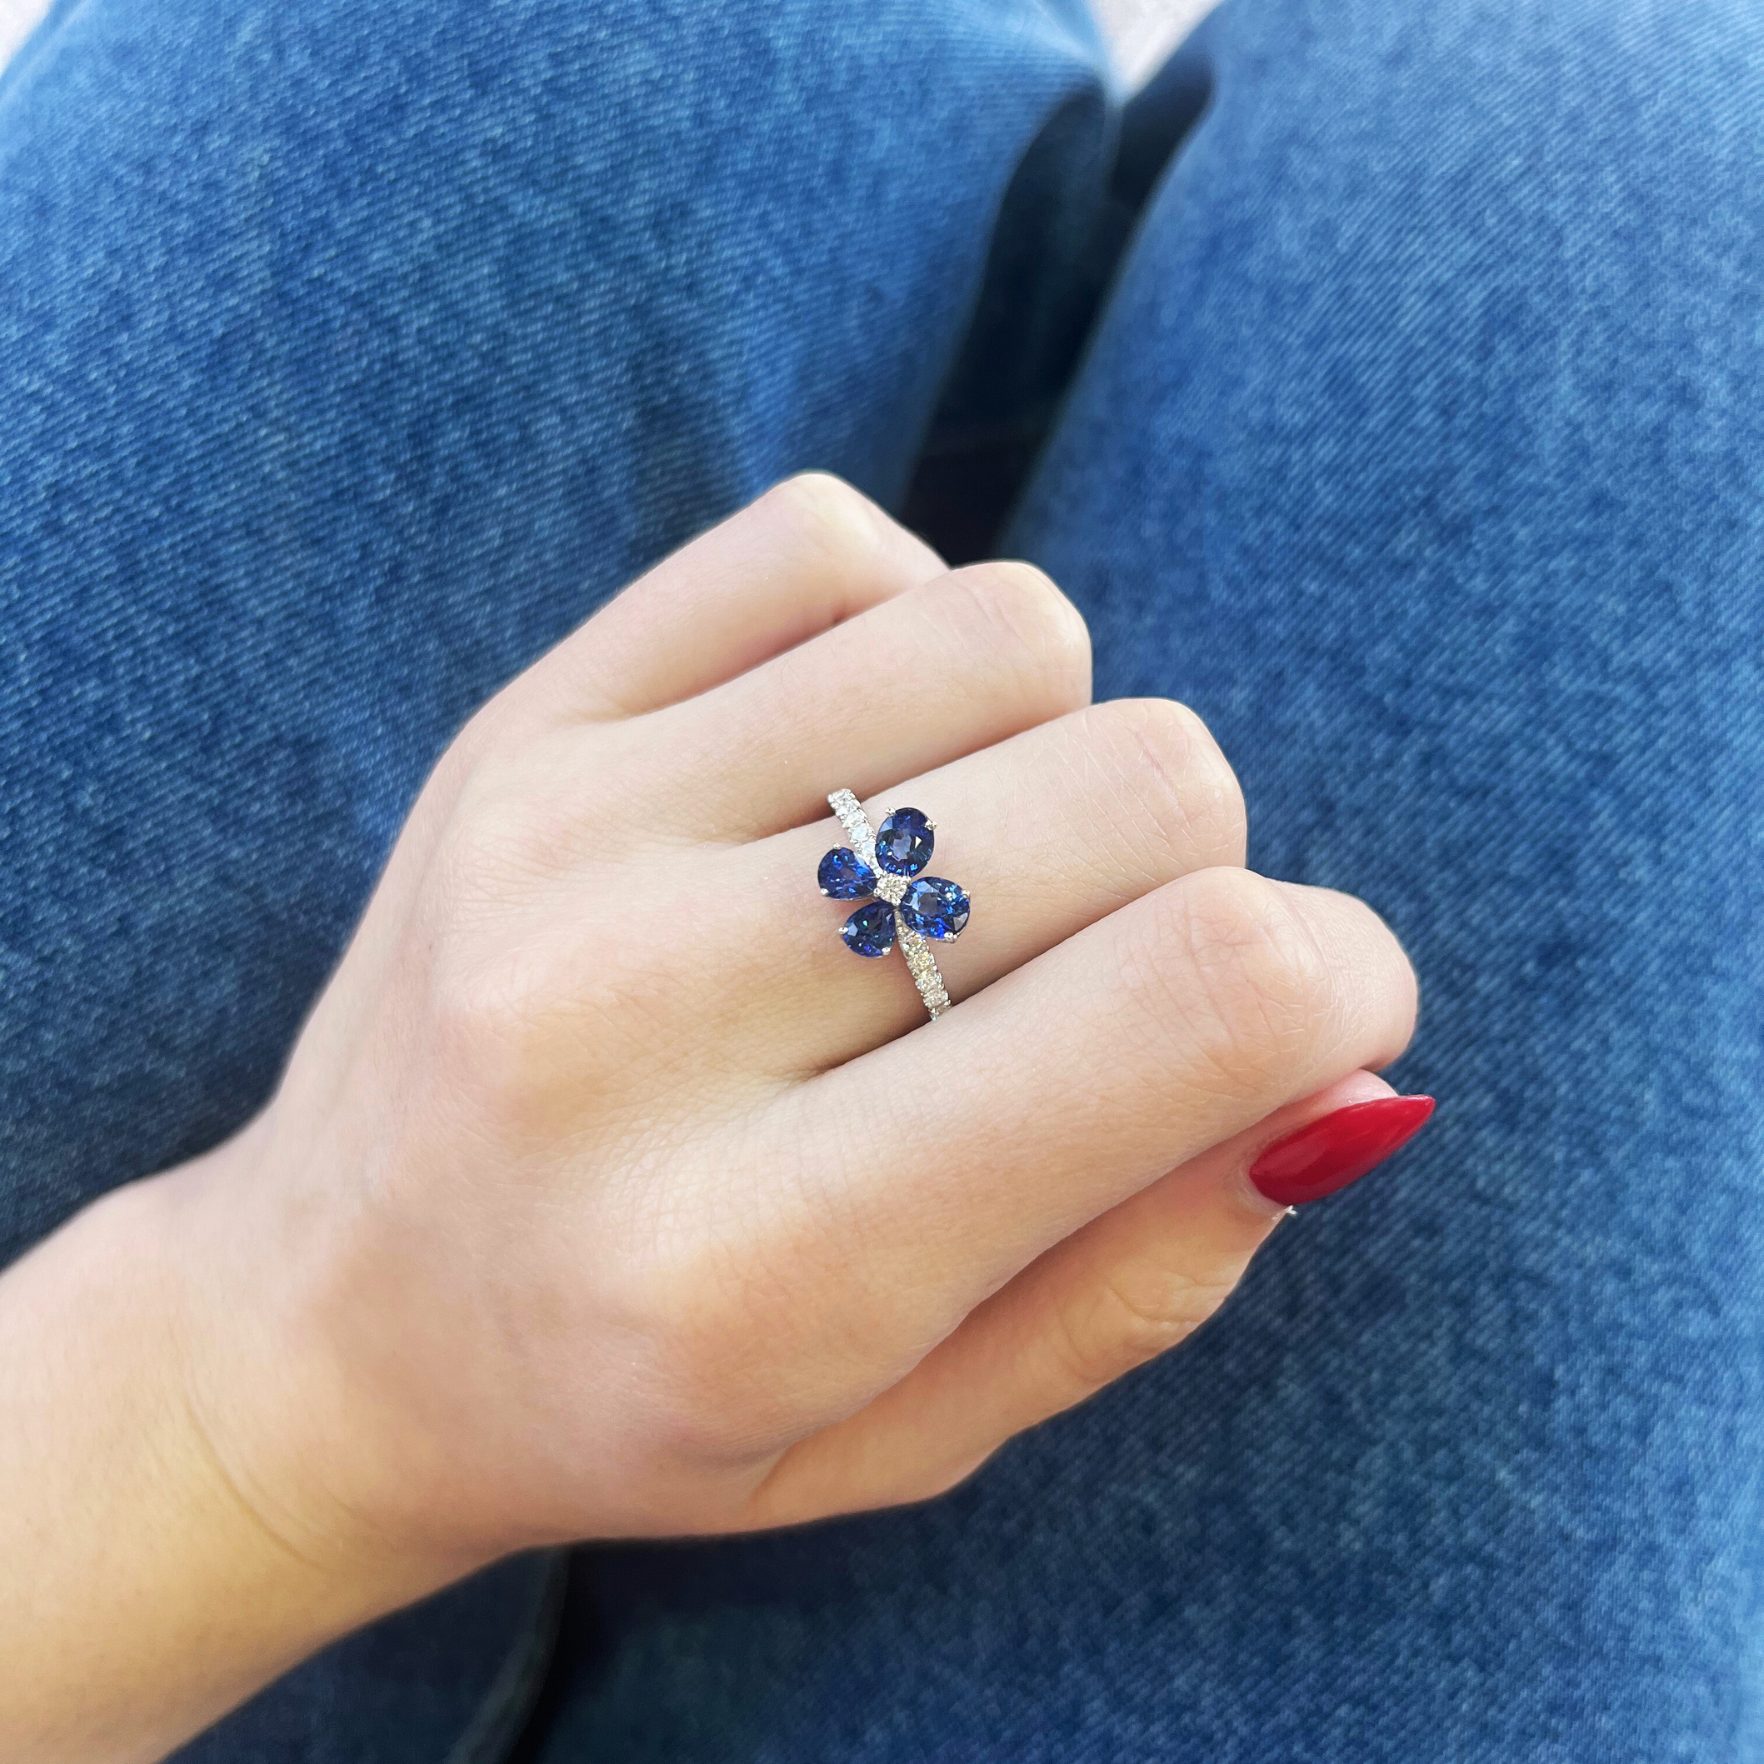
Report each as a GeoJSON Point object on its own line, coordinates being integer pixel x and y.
{"type": "Point", "coordinates": [1238, 961]}
{"type": "Point", "coordinates": [505, 1015]}
{"type": "Point", "coordinates": [825, 512]}
{"type": "Point", "coordinates": [1133, 1315]}
{"type": "Point", "coordinates": [497, 851]}
{"type": "Point", "coordinates": [1013, 608]}
{"type": "Point", "coordinates": [484, 1023]}
{"type": "Point", "coordinates": [481, 855]}
{"type": "Point", "coordinates": [480, 744]}
{"type": "Point", "coordinates": [1183, 789]}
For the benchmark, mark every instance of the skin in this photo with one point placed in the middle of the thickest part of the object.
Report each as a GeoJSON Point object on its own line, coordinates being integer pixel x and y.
{"type": "Point", "coordinates": [606, 1194]}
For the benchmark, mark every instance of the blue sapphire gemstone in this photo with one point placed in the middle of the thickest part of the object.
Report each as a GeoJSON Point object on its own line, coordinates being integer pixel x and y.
{"type": "Point", "coordinates": [843, 875]}
{"type": "Point", "coordinates": [903, 843]}
{"type": "Point", "coordinates": [934, 908]}
{"type": "Point", "coordinates": [870, 930]}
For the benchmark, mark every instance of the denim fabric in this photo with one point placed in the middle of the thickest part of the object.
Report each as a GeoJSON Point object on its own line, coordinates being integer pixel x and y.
{"type": "Point", "coordinates": [348, 355]}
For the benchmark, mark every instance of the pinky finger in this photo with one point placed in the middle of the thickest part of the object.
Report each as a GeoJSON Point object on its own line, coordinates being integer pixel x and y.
{"type": "Point", "coordinates": [1127, 1287]}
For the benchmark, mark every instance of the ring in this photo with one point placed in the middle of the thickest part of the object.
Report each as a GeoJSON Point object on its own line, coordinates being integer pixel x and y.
{"type": "Point", "coordinates": [907, 908]}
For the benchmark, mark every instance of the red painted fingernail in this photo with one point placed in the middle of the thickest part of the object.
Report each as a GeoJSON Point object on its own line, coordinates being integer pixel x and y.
{"type": "Point", "coordinates": [1338, 1148]}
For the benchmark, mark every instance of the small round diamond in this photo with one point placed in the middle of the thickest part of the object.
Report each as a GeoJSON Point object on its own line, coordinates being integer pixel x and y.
{"type": "Point", "coordinates": [870, 930]}
{"type": "Point", "coordinates": [843, 875]}
{"type": "Point", "coordinates": [903, 842]}
{"type": "Point", "coordinates": [934, 908]}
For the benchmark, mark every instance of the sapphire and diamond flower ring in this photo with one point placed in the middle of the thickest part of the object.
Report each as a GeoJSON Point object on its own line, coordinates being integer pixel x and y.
{"type": "Point", "coordinates": [902, 906]}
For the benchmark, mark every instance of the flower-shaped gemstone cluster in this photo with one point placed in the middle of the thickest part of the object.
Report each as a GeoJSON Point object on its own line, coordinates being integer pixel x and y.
{"type": "Point", "coordinates": [927, 905]}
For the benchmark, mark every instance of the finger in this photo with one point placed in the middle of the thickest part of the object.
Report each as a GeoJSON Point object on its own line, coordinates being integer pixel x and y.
{"type": "Point", "coordinates": [1050, 830]}
{"type": "Point", "coordinates": [941, 670]}
{"type": "Point", "coordinates": [932, 1170]}
{"type": "Point", "coordinates": [1047, 832]}
{"type": "Point", "coordinates": [809, 554]}
{"type": "Point", "coordinates": [1125, 1288]}
{"type": "Point", "coordinates": [1173, 1024]}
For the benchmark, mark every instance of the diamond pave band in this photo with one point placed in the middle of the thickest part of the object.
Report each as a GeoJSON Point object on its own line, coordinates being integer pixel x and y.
{"type": "Point", "coordinates": [883, 868]}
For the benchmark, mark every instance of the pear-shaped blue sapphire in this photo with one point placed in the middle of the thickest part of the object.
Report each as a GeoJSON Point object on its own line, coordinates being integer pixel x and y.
{"type": "Point", "coordinates": [870, 930]}
{"type": "Point", "coordinates": [934, 908]}
{"type": "Point", "coordinates": [843, 875]}
{"type": "Point", "coordinates": [903, 843]}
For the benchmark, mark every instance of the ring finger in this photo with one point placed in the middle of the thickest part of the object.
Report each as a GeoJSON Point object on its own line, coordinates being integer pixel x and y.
{"type": "Point", "coordinates": [1046, 833]}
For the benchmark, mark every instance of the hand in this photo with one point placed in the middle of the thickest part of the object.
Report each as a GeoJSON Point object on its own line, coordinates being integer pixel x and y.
{"type": "Point", "coordinates": [608, 1193]}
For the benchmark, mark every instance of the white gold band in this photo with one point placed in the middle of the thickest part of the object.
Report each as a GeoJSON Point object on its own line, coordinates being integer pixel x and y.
{"type": "Point", "coordinates": [921, 963]}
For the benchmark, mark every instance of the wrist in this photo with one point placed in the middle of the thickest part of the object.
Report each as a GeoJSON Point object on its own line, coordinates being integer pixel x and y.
{"type": "Point", "coordinates": [274, 1409]}
{"type": "Point", "coordinates": [151, 1590]}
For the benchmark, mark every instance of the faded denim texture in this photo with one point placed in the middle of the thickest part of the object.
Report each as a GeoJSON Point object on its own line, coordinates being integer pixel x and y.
{"type": "Point", "coordinates": [350, 355]}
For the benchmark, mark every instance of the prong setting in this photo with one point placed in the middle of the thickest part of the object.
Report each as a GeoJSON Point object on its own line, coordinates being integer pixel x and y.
{"type": "Point", "coordinates": [886, 864]}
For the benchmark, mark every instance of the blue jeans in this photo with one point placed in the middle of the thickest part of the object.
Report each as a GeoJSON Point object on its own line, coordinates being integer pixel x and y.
{"type": "Point", "coordinates": [349, 355]}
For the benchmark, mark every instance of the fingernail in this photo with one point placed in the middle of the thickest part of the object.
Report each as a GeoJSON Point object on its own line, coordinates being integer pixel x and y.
{"type": "Point", "coordinates": [1337, 1148]}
